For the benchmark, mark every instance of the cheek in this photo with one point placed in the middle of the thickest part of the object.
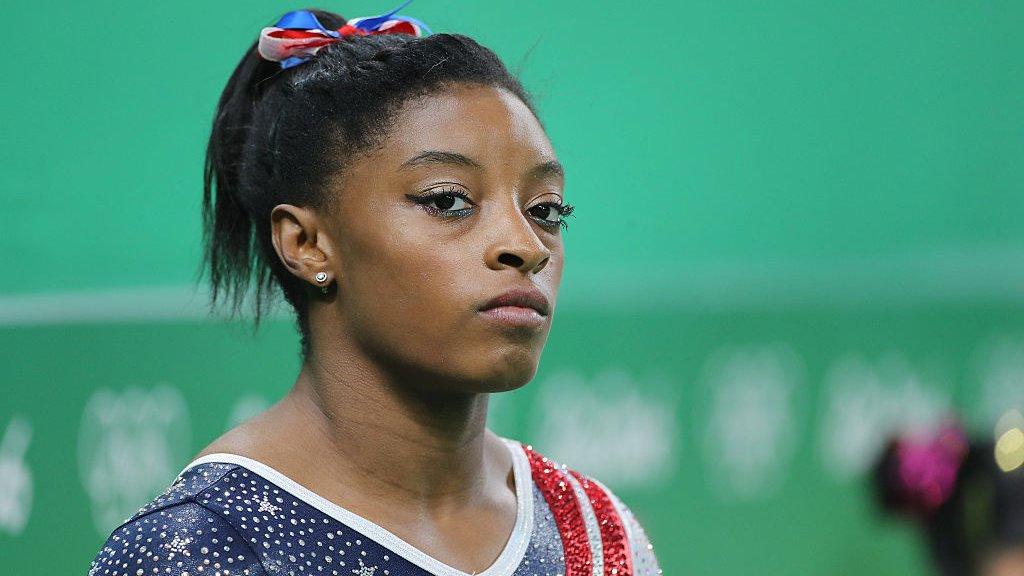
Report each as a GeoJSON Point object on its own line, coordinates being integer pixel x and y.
{"type": "Point", "coordinates": [409, 298]}
{"type": "Point", "coordinates": [411, 302]}
{"type": "Point", "coordinates": [551, 275]}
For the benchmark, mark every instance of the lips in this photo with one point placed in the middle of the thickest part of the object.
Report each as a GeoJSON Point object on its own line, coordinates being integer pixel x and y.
{"type": "Point", "coordinates": [522, 297]}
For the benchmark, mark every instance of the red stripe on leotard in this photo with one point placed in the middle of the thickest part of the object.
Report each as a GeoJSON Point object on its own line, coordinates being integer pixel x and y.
{"type": "Point", "coordinates": [561, 498]}
{"type": "Point", "coordinates": [618, 559]}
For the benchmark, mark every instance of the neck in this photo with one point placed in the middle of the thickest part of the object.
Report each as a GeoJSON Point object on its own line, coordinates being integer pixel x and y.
{"type": "Point", "coordinates": [364, 425]}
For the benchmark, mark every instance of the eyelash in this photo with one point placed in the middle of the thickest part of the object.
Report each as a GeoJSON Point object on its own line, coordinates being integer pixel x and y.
{"type": "Point", "coordinates": [563, 210]}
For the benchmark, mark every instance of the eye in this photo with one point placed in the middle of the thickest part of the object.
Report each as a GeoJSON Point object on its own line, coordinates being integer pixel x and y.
{"type": "Point", "coordinates": [552, 213]}
{"type": "Point", "coordinates": [445, 202]}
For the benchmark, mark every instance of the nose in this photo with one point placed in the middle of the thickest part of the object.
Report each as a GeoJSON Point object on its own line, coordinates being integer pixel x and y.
{"type": "Point", "coordinates": [516, 245]}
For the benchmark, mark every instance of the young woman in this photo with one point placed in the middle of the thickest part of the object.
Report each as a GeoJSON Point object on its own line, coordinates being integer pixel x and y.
{"type": "Point", "coordinates": [401, 192]}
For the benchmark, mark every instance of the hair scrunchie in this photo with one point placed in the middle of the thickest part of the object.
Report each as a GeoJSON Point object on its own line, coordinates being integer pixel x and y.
{"type": "Point", "coordinates": [298, 35]}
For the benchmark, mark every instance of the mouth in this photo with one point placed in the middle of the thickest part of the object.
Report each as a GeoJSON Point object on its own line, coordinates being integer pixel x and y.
{"type": "Point", "coordinates": [530, 298]}
{"type": "Point", "coordinates": [519, 307]}
{"type": "Point", "coordinates": [514, 316]}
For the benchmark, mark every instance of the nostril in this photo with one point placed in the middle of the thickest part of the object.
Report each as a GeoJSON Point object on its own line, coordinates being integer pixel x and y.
{"type": "Point", "coordinates": [511, 260]}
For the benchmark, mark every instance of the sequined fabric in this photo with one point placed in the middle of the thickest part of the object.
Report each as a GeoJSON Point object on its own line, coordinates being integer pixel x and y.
{"type": "Point", "coordinates": [645, 563]}
{"type": "Point", "coordinates": [545, 556]}
{"type": "Point", "coordinates": [641, 550]}
{"type": "Point", "coordinates": [593, 528]}
{"type": "Point", "coordinates": [614, 543]}
{"type": "Point", "coordinates": [222, 519]}
{"type": "Point", "coordinates": [566, 507]}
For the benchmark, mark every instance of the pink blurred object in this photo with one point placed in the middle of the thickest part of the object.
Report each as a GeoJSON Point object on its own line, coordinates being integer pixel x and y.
{"type": "Point", "coordinates": [928, 465]}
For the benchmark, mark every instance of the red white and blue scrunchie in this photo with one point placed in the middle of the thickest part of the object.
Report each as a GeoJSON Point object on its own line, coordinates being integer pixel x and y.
{"type": "Point", "coordinates": [298, 35]}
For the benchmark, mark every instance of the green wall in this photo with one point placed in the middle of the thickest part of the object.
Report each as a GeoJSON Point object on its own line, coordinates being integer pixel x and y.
{"type": "Point", "coordinates": [798, 226]}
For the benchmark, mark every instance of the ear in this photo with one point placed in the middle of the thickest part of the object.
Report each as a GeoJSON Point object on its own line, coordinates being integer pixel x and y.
{"type": "Point", "coordinates": [301, 245]}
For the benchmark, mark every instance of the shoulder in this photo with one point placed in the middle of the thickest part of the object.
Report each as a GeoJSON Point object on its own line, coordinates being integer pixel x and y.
{"type": "Point", "coordinates": [178, 540]}
{"type": "Point", "coordinates": [585, 508]}
{"type": "Point", "coordinates": [186, 485]}
{"type": "Point", "coordinates": [176, 535]}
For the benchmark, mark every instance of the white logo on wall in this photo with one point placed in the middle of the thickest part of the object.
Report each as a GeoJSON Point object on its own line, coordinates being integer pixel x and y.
{"type": "Point", "coordinates": [868, 401]}
{"type": "Point", "coordinates": [130, 446]}
{"type": "Point", "coordinates": [15, 476]}
{"type": "Point", "coordinates": [246, 407]}
{"type": "Point", "coordinates": [750, 436]}
{"type": "Point", "coordinates": [606, 427]}
{"type": "Point", "coordinates": [999, 367]}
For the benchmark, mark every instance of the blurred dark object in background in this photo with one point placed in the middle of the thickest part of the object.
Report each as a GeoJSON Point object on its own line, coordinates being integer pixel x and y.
{"type": "Point", "coordinates": [965, 494]}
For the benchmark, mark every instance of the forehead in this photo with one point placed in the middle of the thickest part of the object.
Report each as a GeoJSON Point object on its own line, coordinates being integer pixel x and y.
{"type": "Point", "coordinates": [486, 122]}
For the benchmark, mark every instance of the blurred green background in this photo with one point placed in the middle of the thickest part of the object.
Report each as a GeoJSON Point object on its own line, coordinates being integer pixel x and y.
{"type": "Point", "coordinates": [798, 229]}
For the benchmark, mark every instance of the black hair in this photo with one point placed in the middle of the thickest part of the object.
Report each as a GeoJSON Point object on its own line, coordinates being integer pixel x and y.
{"type": "Point", "coordinates": [278, 134]}
{"type": "Point", "coordinates": [983, 514]}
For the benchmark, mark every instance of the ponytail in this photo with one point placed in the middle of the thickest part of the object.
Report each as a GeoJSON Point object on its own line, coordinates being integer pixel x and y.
{"type": "Point", "coordinates": [230, 253]}
{"type": "Point", "coordinates": [227, 226]}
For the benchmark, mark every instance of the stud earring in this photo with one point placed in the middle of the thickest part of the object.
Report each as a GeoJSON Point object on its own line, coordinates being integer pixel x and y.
{"type": "Point", "coordinates": [321, 277]}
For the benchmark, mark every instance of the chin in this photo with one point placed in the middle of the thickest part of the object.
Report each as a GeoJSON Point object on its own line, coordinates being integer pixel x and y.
{"type": "Point", "coordinates": [512, 370]}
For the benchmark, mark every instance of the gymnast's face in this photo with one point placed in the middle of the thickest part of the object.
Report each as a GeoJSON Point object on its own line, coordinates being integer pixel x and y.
{"type": "Point", "coordinates": [457, 207]}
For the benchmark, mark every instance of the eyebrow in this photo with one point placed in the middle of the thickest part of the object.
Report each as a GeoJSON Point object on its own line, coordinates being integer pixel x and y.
{"type": "Point", "coordinates": [440, 157]}
{"type": "Point", "coordinates": [549, 168]}
{"type": "Point", "coordinates": [426, 157]}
